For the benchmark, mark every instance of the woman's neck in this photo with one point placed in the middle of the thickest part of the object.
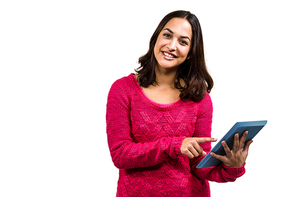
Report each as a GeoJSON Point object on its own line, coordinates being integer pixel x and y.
{"type": "Point", "coordinates": [165, 77]}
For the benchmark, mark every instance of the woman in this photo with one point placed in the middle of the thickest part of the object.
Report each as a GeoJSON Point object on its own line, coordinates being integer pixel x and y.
{"type": "Point", "coordinates": [159, 120]}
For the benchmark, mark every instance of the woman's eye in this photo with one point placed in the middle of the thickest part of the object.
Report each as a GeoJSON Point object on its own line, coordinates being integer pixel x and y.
{"type": "Point", "coordinates": [183, 42]}
{"type": "Point", "coordinates": [167, 35]}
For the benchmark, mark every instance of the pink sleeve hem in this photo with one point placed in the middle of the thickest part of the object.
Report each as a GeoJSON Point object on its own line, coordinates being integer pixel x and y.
{"type": "Point", "coordinates": [177, 142]}
{"type": "Point", "coordinates": [234, 172]}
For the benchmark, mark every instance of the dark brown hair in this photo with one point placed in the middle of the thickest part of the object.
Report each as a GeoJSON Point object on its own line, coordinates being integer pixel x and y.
{"type": "Point", "coordinates": [193, 70]}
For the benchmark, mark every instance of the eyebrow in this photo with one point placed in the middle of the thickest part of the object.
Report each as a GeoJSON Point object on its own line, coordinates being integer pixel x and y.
{"type": "Point", "coordinates": [173, 33]}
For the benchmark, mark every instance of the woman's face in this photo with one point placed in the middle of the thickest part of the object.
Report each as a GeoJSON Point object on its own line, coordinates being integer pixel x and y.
{"type": "Point", "coordinates": [173, 43]}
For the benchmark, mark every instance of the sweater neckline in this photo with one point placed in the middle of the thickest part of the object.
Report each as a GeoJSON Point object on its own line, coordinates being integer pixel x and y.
{"type": "Point", "coordinates": [159, 106]}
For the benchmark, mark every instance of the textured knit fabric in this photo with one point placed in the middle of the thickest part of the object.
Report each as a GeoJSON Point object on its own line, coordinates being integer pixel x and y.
{"type": "Point", "coordinates": [145, 138]}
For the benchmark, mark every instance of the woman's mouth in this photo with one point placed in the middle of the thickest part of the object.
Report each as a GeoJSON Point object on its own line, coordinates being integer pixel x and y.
{"type": "Point", "coordinates": [169, 56]}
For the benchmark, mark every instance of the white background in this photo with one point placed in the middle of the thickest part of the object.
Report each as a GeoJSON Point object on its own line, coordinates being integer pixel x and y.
{"type": "Point", "coordinates": [59, 58]}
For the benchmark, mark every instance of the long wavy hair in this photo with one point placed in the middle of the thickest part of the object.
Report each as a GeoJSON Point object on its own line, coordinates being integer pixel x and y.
{"type": "Point", "coordinates": [193, 71]}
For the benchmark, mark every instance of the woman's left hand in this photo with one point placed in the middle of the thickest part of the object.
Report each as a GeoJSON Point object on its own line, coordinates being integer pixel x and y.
{"type": "Point", "coordinates": [237, 156]}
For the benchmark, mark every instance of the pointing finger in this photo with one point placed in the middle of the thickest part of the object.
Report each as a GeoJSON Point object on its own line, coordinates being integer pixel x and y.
{"type": "Point", "coordinates": [205, 139]}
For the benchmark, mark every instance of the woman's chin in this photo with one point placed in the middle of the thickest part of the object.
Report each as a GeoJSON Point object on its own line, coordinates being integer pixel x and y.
{"type": "Point", "coordinates": [167, 67]}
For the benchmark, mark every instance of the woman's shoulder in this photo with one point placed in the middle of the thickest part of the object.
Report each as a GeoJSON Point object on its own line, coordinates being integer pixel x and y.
{"type": "Point", "coordinates": [207, 103]}
{"type": "Point", "coordinates": [204, 101]}
{"type": "Point", "coordinates": [207, 97]}
{"type": "Point", "coordinates": [124, 81]}
{"type": "Point", "coordinates": [124, 86]}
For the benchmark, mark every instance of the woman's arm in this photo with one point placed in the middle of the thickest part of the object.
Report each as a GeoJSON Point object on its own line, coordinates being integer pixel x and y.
{"type": "Point", "coordinates": [124, 151]}
{"type": "Point", "coordinates": [219, 173]}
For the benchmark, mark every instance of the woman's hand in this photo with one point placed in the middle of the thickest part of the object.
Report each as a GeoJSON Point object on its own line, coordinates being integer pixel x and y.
{"type": "Point", "coordinates": [237, 156]}
{"type": "Point", "coordinates": [190, 146]}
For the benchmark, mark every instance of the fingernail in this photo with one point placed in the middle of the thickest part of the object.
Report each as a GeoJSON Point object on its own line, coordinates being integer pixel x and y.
{"type": "Point", "coordinates": [204, 152]}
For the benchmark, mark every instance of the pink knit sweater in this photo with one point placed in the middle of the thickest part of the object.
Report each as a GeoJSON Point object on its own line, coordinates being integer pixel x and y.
{"type": "Point", "coordinates": [145, 137]}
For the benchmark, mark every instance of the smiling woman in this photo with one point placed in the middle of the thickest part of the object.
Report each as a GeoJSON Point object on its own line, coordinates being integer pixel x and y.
{"type": "Point", "coordinates": [177, 43]}
{"type": "Point", "coordinates": [159, 120]}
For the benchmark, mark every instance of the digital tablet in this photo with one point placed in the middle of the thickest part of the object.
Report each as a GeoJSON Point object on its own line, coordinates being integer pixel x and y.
{"type": "Point", "coordinates": [253, 127]}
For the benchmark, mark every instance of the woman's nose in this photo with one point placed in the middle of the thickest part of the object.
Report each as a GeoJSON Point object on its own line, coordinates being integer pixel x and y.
{"type": "Point", "coordinates": [172, 46]}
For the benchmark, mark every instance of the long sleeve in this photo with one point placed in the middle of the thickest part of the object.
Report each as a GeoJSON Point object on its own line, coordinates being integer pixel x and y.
{"type": "Point", "coordinates": [219, 173]}
{"type": "Point", "coordinates": [125, 152]}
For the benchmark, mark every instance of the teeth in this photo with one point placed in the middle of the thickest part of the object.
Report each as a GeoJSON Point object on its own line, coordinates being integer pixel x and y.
{"type": "Point", "coordinates": [167, 54]}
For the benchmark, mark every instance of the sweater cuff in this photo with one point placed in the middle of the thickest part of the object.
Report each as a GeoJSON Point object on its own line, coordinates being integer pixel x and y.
{"type": "Point", "coordinates": [234, 172]}
{"type": "Point", "coordinates": [176, 146]}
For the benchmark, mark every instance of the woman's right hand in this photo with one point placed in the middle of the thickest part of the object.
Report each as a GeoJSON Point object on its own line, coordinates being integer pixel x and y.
{"type": "Point", "coordinates": [190, 146]}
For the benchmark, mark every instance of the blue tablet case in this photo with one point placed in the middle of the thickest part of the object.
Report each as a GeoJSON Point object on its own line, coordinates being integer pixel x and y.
{"type": "Point", "coordinates": [253, 127]}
